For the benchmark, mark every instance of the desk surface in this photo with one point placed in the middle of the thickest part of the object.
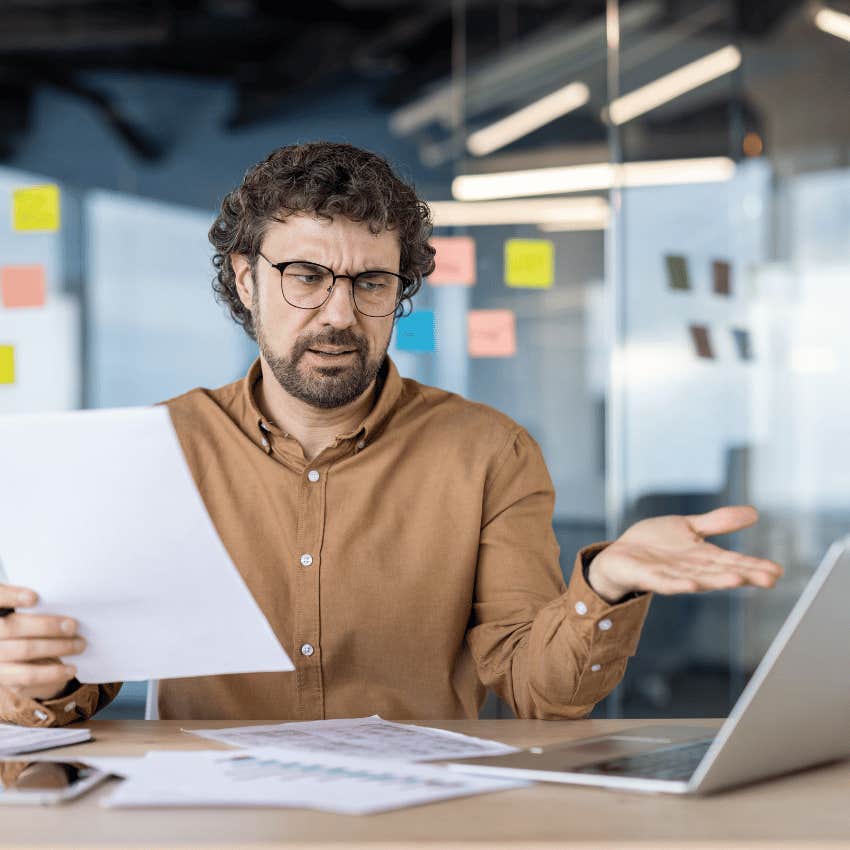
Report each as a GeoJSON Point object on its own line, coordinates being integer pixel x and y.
{"type": "Point", "coordinates": [810, 809]}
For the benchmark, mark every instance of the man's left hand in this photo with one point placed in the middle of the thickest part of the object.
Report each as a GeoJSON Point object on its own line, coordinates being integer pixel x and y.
{"type": "Point", "coordinates": [669, 555]}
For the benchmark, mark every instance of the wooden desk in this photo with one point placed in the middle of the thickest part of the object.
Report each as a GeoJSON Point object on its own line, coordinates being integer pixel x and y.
{"type": "Point", "coordinates": [808, 810]}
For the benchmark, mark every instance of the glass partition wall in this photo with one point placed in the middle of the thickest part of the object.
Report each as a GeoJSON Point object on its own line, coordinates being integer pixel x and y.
{"type": "Point", "coordinates": [731, 357]}
{"type": "Point", "coordinates": [689, 351]}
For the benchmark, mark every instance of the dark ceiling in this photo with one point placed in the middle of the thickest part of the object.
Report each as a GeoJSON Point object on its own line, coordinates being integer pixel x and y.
{"type": "Point", "coordinates": [268, 49]}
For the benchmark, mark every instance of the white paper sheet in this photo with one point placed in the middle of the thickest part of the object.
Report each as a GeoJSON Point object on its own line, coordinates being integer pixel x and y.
{"type": "Point", "coordinates": [292, 778]}
{"type": "Point", "coordinates": [100, 516]}
{"type": "Point", "coordinates": [371, 737]}
{"type": "Point", "coordinates": [21, 739]}
{"type": "Point", "coordinates": [116, 765]}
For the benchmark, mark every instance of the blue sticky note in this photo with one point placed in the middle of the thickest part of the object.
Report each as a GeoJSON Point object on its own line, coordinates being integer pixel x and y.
{"type": "Point", "coordinates": [416, 332]}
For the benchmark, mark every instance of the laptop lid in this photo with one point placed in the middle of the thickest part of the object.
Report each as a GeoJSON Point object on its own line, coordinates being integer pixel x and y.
{"type": "Point", "coordinates": [795, 710]}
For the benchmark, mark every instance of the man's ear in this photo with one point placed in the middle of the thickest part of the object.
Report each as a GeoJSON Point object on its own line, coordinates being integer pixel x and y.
{"type": "Point", "coordinates": [244, 279]}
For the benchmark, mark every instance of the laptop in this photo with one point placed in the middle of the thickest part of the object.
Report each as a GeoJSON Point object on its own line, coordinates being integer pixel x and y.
{"type": "Point", "coordinates": [793, 713]}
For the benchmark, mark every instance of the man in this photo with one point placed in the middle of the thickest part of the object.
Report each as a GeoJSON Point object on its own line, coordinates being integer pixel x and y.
{"type": "Point", "coordinates": [397, 537]}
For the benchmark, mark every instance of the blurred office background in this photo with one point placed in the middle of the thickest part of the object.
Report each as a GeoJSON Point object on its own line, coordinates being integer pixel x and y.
{"type": "Point", "coordinates": [688, 347]}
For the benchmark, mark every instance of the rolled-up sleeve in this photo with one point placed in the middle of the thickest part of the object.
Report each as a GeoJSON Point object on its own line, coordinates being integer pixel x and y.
{"type": "Point", "coordinates": [550, 651]}
{"type": "Point", "coordinates": [80, 704]}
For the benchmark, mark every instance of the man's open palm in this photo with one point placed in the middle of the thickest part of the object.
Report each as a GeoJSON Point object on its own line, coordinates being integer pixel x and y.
{"type": "Point", "coordinates": [669, 554]}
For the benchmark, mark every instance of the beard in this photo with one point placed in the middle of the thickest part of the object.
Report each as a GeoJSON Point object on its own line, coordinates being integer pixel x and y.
{"type": "Point", "coordinates": [323, 386]}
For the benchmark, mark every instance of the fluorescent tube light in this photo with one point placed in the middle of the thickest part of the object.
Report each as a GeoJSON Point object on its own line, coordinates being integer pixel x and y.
{"type": "Point", "coordinates": [835, 23]}
{"type": "Point", "coordinates": [567, 226]}
{"type": "Point", "coordinates": [596, 176]}
{"type": "Point", "coordinates": [675, 84]}
{"type": "Point", "coordinates": [671, 172]}
{"type": "Point", "coordinates": [528, 119]}
{"type": "Point", "coordinates": [590, 213]}
{"type": "Point", "coordinates": [534, 181]}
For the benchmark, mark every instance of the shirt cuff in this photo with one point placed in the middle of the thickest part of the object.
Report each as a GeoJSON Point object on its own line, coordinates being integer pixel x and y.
{"type": "Point", "coordinates": [80, 704]}
{"type": "Point", "coordinates": [614, 628]}
{"type": "Point", "coordinates": [611, 631]}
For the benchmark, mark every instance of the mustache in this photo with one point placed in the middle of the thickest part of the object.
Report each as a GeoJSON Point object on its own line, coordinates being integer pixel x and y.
{"type": "Point", "coordinates": [334, 342]}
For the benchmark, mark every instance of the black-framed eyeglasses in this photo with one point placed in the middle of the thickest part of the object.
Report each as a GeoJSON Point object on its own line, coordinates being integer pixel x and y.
{"type": "Point", "coordinates": [307, 285]}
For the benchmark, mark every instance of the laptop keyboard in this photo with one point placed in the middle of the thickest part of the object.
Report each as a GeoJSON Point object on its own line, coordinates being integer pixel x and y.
{"type": "Point", "coordinates": [670, 763]}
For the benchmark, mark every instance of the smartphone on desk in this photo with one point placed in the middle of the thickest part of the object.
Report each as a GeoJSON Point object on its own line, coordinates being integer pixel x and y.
{"type": "Point", "coordinates": [44, 783]}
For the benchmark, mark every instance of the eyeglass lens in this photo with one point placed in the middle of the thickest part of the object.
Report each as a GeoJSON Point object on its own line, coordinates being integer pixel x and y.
{"type": "Point", "coordinates": [306, 285]}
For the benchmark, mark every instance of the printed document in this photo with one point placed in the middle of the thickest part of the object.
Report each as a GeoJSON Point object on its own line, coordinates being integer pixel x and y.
{"type": "Point", "coordinates": [292, 778]}
{"type": "Point", "coordinates": [100, 516]}
{"type": "Point", "coordinates": [371, 737]}
{"type": "Point", "coordinates": [22, 739]}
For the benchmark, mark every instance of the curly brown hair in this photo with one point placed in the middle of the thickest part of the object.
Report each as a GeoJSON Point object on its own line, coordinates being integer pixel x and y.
{"type": "Point", "coordinates": [325, 178]}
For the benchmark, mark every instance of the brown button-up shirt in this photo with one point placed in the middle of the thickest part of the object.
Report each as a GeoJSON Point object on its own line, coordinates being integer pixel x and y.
{"type": "Point", "coordinates": [406, 568]}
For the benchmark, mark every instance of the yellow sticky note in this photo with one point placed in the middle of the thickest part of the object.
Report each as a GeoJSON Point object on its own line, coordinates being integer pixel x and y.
{"type": "Point", "coordinates": [7, 364]}
{"type": "Point", "coordinates": [35, 208]}
{"type": "Point", "coordinates": [530, 263]}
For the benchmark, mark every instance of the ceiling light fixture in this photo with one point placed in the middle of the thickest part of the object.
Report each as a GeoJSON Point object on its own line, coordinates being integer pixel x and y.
{"type": "Point", "coordinates": [569, 226]}
{"type": "Point", "coordinates": [529, 118]}
{"type": "Point", "coordinates": [591, 213]}
{"type": "Point", "coordinates": [673, 85]}
{"type": "Point", "coordinates": [595, 176]}
{"type": "Point", "coordinates": [833, 22]}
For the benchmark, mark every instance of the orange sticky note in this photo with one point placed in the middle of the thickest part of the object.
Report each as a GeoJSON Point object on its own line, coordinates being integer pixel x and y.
{"type": "Point", "coordinates": [455, 259]}
{"type": "Point", "coordinates": [491, 333]}
{"type": "Point", "coordinates": [7, 364]}
{"type": "Point", "coordinates": [36, 208]}
{"type": "Point", "coordinates": [22, 286]}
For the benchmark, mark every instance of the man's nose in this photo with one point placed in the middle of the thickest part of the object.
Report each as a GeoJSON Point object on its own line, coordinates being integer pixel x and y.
{"type": "Point", "coordinates": [339, 309]}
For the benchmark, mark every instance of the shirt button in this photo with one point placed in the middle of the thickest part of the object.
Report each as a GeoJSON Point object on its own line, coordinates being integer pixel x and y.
{"type": "Point", "coordinates": [306, 649]}
{"type": "Point", "coordinates": [313, 474]}
{"type": "Point", "coordinates": [306, 559]}
{"type": "Point", "coordinates": [581, 608]}
{"type": "Point", "coordinates": [40, 715]}
{"type": "Point", "coordinates": [605, 624]}
{"type": "Point", "coordinates": [596, 667]}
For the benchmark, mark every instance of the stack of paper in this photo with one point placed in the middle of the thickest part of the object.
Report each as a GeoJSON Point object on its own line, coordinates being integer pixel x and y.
{"type": "Point", "coordinates": [370, 737]}
{"type": "Point", "coordinates": [22, 739]}
{"type": "Point", "coordinates": [280, 777]}
{"type": "Point", "coordinates": [357, 766]}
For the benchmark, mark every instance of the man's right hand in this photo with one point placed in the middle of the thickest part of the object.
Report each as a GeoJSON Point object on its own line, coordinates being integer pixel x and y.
{"type": "Point", "coordinates": [31, 645]}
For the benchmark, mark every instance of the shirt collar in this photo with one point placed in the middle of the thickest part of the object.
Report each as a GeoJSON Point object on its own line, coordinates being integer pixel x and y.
{"type": "Point", "coordinates": [388, 387]}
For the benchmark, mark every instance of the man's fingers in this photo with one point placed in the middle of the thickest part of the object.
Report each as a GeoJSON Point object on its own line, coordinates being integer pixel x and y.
{"type": "Point", "coordinates": [35, 675]}
{"type": "Point", "coordinates": [668, 583]}
{"type": "Point", "coordinates": [713, 559]}
{"type": "Point", "coordinates": [745, 562]}
{"type": "Point", "coordinates": [729, 563]}
{"type": "Point", "coordinates": [36, 625]}
{"type": "Point", "coordinates": [723, 520]}
{"type": "Point", "coordinates": [17, 597]}
{"type": "Point", "coordinates": [673, 578]}
{"type": "Point", "coordinates": [37, 649]}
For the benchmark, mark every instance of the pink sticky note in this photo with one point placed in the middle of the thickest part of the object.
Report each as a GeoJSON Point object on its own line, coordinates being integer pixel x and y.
{"type": "Point", "coordinates": [492, 333]}
{"type": "Point", "coordinates": [22, 286]}
{"type": "Point", "coordinates": [455, 259]}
